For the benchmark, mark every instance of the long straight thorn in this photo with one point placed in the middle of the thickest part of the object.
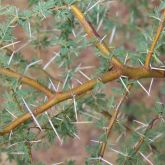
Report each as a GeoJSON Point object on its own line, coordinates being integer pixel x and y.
{"type": "Point", "coordinates": [35, 120]}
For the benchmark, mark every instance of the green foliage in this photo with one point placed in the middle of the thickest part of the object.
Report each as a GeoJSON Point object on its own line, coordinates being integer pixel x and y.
{"type": "Point", "coordinates": [45, 29]}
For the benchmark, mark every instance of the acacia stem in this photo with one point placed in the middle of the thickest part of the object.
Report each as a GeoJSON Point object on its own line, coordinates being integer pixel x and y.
{"type": "Point", "coordinates": [155, 40]}
{"type": "Point", "coordinates": [26, 80]}
{"type": "Point", "coordinates": [115, 73]}
{"type": "Point", "coordinates": [112, 121]}
{"type": "Point", "coordinates": [93, 35]}
{"type": "Point", "coordinates": [138, 145]}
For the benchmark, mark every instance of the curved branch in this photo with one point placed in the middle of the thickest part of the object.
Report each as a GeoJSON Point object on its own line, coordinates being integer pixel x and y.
{"type": "Point", "coordinates": [132, 73]}
{"type": "Point", "coordinates": [59, 97]}
{"type": "Point", "coordinates": [26, 80]}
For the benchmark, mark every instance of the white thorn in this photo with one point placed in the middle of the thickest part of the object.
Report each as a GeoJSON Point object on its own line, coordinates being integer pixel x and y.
{"type": "Point", "coordinates": [158, 136]}
{"type": "Point", "coordinates": [11, 113]}
{"type": "Point", "coordinates": [118, 138]}
{"type": "Point", "coordinates": [31, 64]}
{"type": "Point", "coordinates": [100, 158]}
{"type": "Point", "coordinates": [150, 163]}
{"type": "Point", "coordinates": [30, 33]}
{"type": "Point", "coordinates": [96, 141]}
{"type": "Point", "coordinates": [11, 133]}
{"type": "Point", "coordinates": [24, 45]}
{"type": "Point", "coordinates": [82, 122]}
{"type": "Point", "coordinates": [59, 119]}
{"type": "Point", "coordinates": [103, 38]}
{"type": "Point", "coordinates": [149, 90]}
{"type": "Point", "coordinates": [93, 6]}
{"type": "Point", "coordinates": [112, 35]}
{"type": "Point", "coordinates": [155, 18]}
{"type": "Point", "coordinates": [77, 67]}
{"type": "Point", "coordinates": [149, 154]}
{"type": "Point", "coordinates": [124, 76]}
{"type": "Point", "coordinates": [17, 153]}
{"type": "Point", "coordinates": [74, 34]}
{"type": "Point", "coordinates": [143, 88]}
{"type": "Point", "coordinates": [140, 127]}
{"type": "Point", "coordinates": [11, 145]}
{"type": "Point", "coordinates": [86, 67]}
{"type": "Point", "coordinates": [16, 12]}
{"type": "Point", "coordinates": [75, 107]}
{"type": "Point", "coordinates": [52, 84]}
{"type": "Point", "coordinates": [141, 62]}
{"type": "Point", "coordinates": [98, 14]}
{"type": "Point", "coordinates": [78, 81]}
{"type": "Point", "coordinates": [11, 57]}
{"type": "Point", "coordinates": [142, 135]}
{"type": "Point", "coordinates": [49, 85]}
{"type": "Point", "coordinates": [60, 65]}
{"type": "Point", "coordinates": [139, 122]}
{"type": "Point", "coordinates": [158, 68]}
{"type": "Point", "coordinates": [36, 141]}
{"type": "Point", "coordinates": [121, 153]}
{"type": "Point", "coordinates": [106, 161]}
{"type": "Point", "coordinates": [88, 6]}
{"type": "Point", "coordinates": [99, 25]}
{"type": "Point", "coordinates": [65, 81]}
{"type": "Point", "coordinates": [87, 114]}
{"type": "Point", "coordinates": [45, 98]}
{"type": "Point", "coordinates": [53, 58]}
{"type": "Point", "coordinates": [42, 12]}
{"type": "Point", "coordinates": [124, 84]}
{"type": "Point", "coordinates": [54, 128]}
{"type": "Point", "coordinates": [35, 120]}
{"type": "Point", "coordinates": [58, 163]}
{"type": "Point", "coordinates": [125, 60]}
{"type": "Point", "coordinates": [12, 44]}
{"type": "Point", "coordinates": [58, 86]}
{"type": "Point", "coordinates": [76, 136]}
{"type": "Point", "coordinates": [118, 105]}
{"type": "Point", "coordinates": [82, 73]}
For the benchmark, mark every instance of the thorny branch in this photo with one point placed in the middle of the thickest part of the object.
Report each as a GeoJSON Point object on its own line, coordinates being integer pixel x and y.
{"type": "Point", "coordinates": [115, 73]}
{"type": "Point", "coordinates": [92, 34]}
{"type": "Point", "coordinates": [137, 146]}
{"type": "Point", "coordinates": [115, 114]}
{"type": "Point", "coordinates": [155, 40]}
{"type": "Point", "coordinates": [26, 80]}
{"type": "Point", "coordinates": [118, 70]}
{"type": "Point", "coordinates": [112, 121]}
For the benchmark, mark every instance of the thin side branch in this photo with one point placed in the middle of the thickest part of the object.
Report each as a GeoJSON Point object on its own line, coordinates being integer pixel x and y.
{"type": "Point", "coordinates": [136, 148]}
{"type": "Point", "coordinates": [26, 80]}
{"type": "Point", "coordinates": [155, 40]}
{"type": "Point", "coordinates": [112, 121]}
{"type": "Point", "coordinates": [92, 34]}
